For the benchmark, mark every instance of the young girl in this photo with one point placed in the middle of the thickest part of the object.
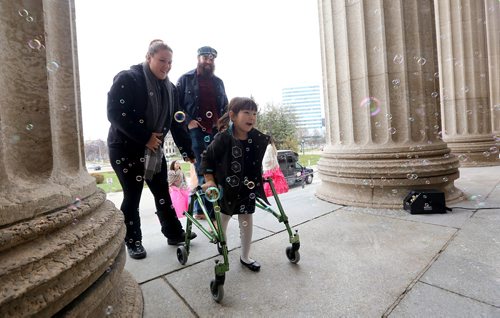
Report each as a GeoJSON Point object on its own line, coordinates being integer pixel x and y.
{"type": "Point", "coordinates": [234, 162]}
{"type": "Point", "coordinates": [272, 170]}
{"type": "Point", "coordinates": [178, 189]}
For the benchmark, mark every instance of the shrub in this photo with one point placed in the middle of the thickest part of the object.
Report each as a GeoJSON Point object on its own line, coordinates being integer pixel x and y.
{"type": "Point", "coordinates": [99, 178]}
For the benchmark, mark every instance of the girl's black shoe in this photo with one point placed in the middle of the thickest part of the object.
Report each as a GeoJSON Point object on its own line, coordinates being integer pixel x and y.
{"type": "Point", "coordinates": [254, 266]}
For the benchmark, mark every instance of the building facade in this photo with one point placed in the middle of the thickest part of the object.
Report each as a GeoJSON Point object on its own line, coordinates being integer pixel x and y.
{"type": "Point", "coordinates": [305, 103]}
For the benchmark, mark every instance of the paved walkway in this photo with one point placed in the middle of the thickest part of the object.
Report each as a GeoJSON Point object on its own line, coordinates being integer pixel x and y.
{"type": "Point", "coordinates": [355, 262]}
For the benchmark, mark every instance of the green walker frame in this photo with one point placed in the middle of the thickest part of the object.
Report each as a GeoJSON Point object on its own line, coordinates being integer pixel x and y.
{"type": "Point", "coordinates": [216, 236]}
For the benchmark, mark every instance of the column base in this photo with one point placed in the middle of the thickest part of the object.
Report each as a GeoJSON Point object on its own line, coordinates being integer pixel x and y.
{"type": "Point", "coordinates": [382, 180]}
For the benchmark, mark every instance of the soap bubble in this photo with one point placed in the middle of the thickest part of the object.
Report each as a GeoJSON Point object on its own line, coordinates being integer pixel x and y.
{"type": "Point", "coordinates": [209, 114]}
{"type": "Point", "coordinates": [52, 66]}
{"type": "Point", "coordinates": [179, 116]}
{"type": "Point", "coordinates": [372, 103]}
{"type": "Point", "coordinates": [398, 59]}
{"type": "Point", "coordinates": [212, 194]}
{"type": "Point", "coordinates": [206, 138]}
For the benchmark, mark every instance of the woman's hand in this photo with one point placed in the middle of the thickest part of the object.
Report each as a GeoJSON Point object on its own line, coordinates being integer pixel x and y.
{"type": "Point", "coordinates": [208, 184]}
{"type": "Point", "coordinates": [193, 124]}
{"type": "Point", "coordinates": [154, 141]}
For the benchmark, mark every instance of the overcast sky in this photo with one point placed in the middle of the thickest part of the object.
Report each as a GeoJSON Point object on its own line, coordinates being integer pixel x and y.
{"type": "Point", "coordinates": [263, 45]}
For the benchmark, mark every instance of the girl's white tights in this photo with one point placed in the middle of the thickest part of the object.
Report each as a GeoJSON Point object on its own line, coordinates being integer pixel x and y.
{"type": "Point", "coordinates": [246, 228]}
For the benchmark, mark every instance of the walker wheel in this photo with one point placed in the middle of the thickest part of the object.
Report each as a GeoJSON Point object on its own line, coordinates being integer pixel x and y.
{"type": "Point", "coordinates": [182, 255]}
{"type": "Point", "coordinates": [216, 290]}
{"type": "Point", "coordinates": [293, 256]}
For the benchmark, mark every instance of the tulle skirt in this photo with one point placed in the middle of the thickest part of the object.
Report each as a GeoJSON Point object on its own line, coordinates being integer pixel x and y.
{"type": "Point", "coordinates": [279, 181]}
{"type": "Point", "coordinates": [180, 199]}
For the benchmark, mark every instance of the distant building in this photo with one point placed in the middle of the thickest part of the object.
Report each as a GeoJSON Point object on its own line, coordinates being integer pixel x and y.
{"type": "Point", "coordinates": [170, 148]}
{"type": "Point", "coordinates": [305, 103]}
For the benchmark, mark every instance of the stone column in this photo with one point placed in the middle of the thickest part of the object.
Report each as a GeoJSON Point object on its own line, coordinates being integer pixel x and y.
{"type": "Point", "coordinates": [379, 65]}
{"type": "Point", "coordinates": [465, 78]}
{"type": "Point", "coordinates": [493, 43]}
{"type": "Point", "coordinates": [61, 242]}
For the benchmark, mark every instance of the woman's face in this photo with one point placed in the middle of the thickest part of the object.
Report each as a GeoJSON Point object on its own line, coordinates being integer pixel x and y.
{"type": "Point", "coordinates": [177, 165]}
{"type": "Point", "coordinates": [160, 63]}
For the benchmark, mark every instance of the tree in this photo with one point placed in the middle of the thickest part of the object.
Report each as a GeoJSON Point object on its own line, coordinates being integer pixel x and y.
{"type": "Point", "coordinates": [279, 123]}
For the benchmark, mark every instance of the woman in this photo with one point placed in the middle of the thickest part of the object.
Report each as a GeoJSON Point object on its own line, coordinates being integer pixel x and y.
{"type": "Point", "coordinates": [141, 105]}
{"type": "Point", "coordinates": [179, 191]}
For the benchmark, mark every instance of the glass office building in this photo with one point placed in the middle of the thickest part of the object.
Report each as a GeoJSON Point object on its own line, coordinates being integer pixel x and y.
{"type": "Point", "coordinates": [305, 103]}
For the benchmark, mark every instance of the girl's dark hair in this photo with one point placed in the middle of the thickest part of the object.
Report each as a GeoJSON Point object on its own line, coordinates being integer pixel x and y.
{"type": "Point", "coordinates": [155, 46]}
{"type": "Point", "coordinates": [172, 165]}
{"type": "Point", "coordinates": [235, 105]}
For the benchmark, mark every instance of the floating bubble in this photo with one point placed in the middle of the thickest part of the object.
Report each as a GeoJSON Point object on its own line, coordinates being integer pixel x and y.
{"type": "Point", "coordinates": [29, 126]}
{"type": "Point", "coordinates": [486, 154]}
{"type": "Point", "coordinates": [23, 12]}
{"type": "Point", "coordinates": [427, 181]}
{"type": "Point", "coordinates": [377, 124]}
{"type": "Point", "coordinates": [435, 94]}
{"type": "Point", "coordinates": [244, 223]}
{"type": "Point", "coordinates": [141, 121]}
{"type": "Point", "coordinates": [124, 114]}
{"type": "Point", "coordinates": [396, 82]}
{"type": "Point", "coordinates": [372, 103]}
{"type": "Point", "coordinates": [138, 178]}
{"type": "Point", "coordinates": [436, 75]}
{"type": "Point", "coordinates": [29, 19]}
{"type": "Point", "coordinates": [445, 179]}
{"type": "Point", "coordinates": [411, 119]}
{"type": "Point", "coordinates": [398, 59]}
{"type": "Point", "coordinates": [118, 162]}
{"type": "Point", "coordinates": [209, 114]}
{"type": "Point", "coordinates": [137, 243]}
{"type": "Point", "coordinates": [131, 241]}
{"type": "Point", "coordinates": [35, 44]}
{"type": "Point", "coordinates": [142, 159]}
{"type": "Point", "coordinates": [122, 101]}
{"type": "Point", "coordinates": [392, 130]}
{"type": "Point", "coordinates": [251, 196]}
{"type": "Point", "coordinates": [388, 116]}
{"type": "Point", "coordinates": [251, 185]}
{"type": "Point", "coordinates": [216, 208]}
{"type": "Point", "coordinates": [493, 150]}
{"type": "Point", "coordinates": [179, 116]}
{"type": "Point", "coordinates": [198, 118]}
{"type": "Point", "coordinates": [212, 194]}
{"type": "Point", "coordinates": [250, 140]}
{"type": "Point", "coordinates": [206, 138]}
{"type": "Point", "coordinates": [52, 66]}
{"type": "Point", "coordinates": [463, 157]}
{"type": "Point", "coordinates": [421, 61]}
{"type": "Point", "coordinates": [109, 310]}
{"type": "Point", "coordinates": [151, 93]}
{"type": "Point", "coordinates": [161, 201]}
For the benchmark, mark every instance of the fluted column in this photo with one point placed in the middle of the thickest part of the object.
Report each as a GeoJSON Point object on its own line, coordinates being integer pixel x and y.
{"type": "Point", "coordinates": [379, 68]}
{"type": "Point", "coordinates": [493, 44]}
{"type": "Point", "coordinates": [466, 80]}
{"type": "Point", "coordinates": [61, 242]}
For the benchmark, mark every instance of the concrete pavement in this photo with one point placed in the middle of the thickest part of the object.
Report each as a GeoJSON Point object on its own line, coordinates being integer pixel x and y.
{"type": "Point", "coordinates": [355, 262]}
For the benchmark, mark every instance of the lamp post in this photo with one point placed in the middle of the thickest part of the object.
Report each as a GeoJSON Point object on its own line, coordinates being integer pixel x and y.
{"type": "Point", "coordinates": [302, 146]}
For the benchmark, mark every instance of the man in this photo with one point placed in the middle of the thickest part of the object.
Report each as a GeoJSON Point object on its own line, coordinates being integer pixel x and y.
{"type": "Point", "coordinates": [203, 99]}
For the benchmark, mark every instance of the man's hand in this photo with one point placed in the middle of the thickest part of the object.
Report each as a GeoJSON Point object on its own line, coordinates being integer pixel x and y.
{"type": "Point", "coordinates": [154, 141]}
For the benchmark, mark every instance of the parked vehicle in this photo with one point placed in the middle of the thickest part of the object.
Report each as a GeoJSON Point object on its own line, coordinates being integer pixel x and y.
{"type": "Point", "coordinates": [293, 171]}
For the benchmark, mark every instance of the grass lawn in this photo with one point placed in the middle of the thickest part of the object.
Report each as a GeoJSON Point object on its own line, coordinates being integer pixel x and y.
{"type": "Point", "coordinates": [111, 183]}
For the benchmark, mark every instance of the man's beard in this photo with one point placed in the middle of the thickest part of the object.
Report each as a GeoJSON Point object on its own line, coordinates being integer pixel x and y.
{"type": "Point", "coordinates": [206, 70]}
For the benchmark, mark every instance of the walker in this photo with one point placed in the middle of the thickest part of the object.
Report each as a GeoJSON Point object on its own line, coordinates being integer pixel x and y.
{"type": "Point", "coordinates": [216, 235]}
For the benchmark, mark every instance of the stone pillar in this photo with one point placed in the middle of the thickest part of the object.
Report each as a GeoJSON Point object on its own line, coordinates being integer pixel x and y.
{"type": "Point", "coordinates": [493, 44]}
{"type": "Point", "coordinates": [465, 78]}
{"type": "Point", "coordinates": [61, 242]}
{"type": "Point", "coordinates": [379, 65]}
